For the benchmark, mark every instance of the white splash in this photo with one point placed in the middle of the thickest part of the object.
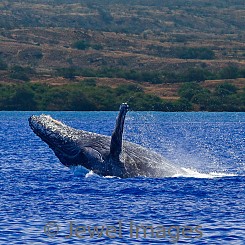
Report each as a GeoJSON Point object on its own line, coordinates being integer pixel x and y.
{"type": "Point", "coordinates": [81, 171]}
{"type": "Point", "coordinates": [191, 173]}
{"type": "Point", "coordinates": [91, 174]}
{"type": "Point", "coordinates": [111, 177]}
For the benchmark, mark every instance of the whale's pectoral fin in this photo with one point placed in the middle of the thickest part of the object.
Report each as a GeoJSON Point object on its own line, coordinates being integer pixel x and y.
{"type": "Point", "coordinates": [116, 138]}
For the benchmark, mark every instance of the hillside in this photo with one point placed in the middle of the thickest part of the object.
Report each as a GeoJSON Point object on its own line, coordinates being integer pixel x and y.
{"type": "Point", "coordinates": [155, 45]}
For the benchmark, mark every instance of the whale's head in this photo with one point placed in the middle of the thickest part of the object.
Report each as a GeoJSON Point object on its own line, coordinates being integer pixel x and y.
{"type": "Point", "coordinates": [73, 147]}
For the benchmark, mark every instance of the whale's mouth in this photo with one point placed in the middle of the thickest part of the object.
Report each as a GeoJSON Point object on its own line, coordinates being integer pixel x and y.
{"type": "Point", "coordinates": [45, 124]}
{"type": "Point", "coordinates": [59, 137]}
{"type": "Point", "coordinates": [48, 128]}
{"type": "Point", "coordinates": [70, 145]}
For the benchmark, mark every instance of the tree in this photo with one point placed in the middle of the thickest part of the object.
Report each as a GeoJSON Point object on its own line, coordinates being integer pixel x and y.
{"type": "Point", "coordinates": [188, 90]}
{"type": "Point", "coordinates": [3, 65]}
{"type": "Point", "coordinates": [196, 75]}
{"type": "Point", "coordinates": [225, 89]}
{"type": "Point", "coordinates": [23, 99]}
{"type": "Point", "coordinates": [82, 45]}
{"type": "Point", "coordinates": [195, 53]}
{"type": "Point", "coordinates": [80, 102]}
{"type": "Point", "coordinates": [182, 105]}
{"type": "Point", "coordinates": [21, 73]}
{"type": "Point", "coordinates": [229, 72]}
{"type": "Point", "coordinates": [203, 99]}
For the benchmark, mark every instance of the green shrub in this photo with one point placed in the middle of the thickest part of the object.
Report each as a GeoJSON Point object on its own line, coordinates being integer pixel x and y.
{"type": "Point", "coordinates": [22, 99]}
{"type": "Point", "coordinates": [195, 53]}
{"type": "Point", "coordinates": [82, 45]}
{"type": "Point", "coordinates": [229, 72]}
{"type": "Point", "coordinates": [224, 98]}
{"type": "Point", "coordinates": [3, 65]}
{"type": "Point", "coordinates": [189, 90]}
{"type": "Point", "coordinates": [21, 73]}
{"type": "Point", "coordinates": [197, 75]}
{"type": "Point", "coordinates": [88, 82]}
{"type": "Point", "coordinates": [20, 76]}
{"type": "Point", "coordinates": [225, 89]}
{"type": "Point", "coordinates": [79, 96]}
{"type": "Point", "coordinates": [68, 73]}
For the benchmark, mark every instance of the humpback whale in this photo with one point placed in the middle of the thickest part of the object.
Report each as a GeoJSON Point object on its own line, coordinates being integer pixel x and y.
{"type": "Point", "coordinates": [104, 155]}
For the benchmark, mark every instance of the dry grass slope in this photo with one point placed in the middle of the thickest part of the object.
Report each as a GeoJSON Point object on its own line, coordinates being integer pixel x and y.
{"type": "Point", "coordinates": [138, 36]}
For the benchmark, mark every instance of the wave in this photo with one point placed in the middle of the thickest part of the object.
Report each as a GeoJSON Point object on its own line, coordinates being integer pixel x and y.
{"type": "Point", "coordinates": [80, 171]}
{"type": "Point", "coordinates": [191, 173]}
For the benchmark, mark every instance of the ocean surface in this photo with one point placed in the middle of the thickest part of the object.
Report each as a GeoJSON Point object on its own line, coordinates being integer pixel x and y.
{"type": "Point", "coordinates": [43, 202]}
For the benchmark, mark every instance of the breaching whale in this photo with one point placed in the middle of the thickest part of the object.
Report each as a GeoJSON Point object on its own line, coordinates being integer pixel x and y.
{"type": "Point", "coordinates": [104, 155]}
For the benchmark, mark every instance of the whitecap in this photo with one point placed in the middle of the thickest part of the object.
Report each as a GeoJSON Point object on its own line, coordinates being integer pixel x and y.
{"type": "Point", "coordinates": [192, 173]}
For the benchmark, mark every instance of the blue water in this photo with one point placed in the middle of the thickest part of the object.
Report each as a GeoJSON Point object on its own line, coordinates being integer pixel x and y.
{"type": "Point", "coordinates": [40, 197]}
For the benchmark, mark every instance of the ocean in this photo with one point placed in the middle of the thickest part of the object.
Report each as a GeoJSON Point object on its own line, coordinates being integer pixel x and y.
{"type": "Point", "coordinates": [43, 202]}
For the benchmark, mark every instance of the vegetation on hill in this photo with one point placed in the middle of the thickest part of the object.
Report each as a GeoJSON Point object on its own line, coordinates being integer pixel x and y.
{"type": "Point", "coordinates": [125, 16]}
{"type": "Point", "coordinates": [223, 98]}
{"type": "Point", "coordinates": [167, 55]}
{"type": "Point", "coordinates": [86, 95]}
{"type": "Point", "coordinates": [155, 77]}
